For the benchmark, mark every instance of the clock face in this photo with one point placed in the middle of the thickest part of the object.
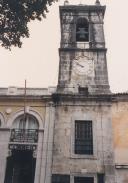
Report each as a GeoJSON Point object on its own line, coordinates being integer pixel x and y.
{"type": "Point", "coordinates": [83, 66]}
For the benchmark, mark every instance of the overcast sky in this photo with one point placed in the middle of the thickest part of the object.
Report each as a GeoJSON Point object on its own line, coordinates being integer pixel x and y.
{"type": "Point", "coordinates": [37, 61]}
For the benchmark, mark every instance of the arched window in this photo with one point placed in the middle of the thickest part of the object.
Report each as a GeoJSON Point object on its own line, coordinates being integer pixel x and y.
{"type": "Point", "coordinates": [25, 129]}
{"type": "Point", "coordinates": [23, 147]}
{"type": "Point", "coordinates": [82, 30]}
{"type": "Point", "coordinates": [25, 122]}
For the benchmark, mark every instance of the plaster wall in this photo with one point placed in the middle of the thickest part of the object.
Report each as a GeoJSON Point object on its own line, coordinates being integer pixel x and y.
{"type": "Point", "coordinates": [9, 110]}
{"type": "Point", "coordinates": [120, 132]}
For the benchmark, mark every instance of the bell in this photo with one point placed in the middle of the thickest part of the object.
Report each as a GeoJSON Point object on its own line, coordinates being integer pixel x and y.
{"type": "Point", "coordinates": [97, 2]}
{"type": "Point", "coordinates": [66, 2]}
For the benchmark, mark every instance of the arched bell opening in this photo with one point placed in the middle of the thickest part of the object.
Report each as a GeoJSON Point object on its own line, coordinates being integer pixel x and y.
{"type": "Point", "coordinates": [82, 30]}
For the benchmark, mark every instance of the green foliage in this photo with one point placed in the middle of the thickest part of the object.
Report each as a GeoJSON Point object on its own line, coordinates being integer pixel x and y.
{"type": "Point", "coordinates": [14, 18]}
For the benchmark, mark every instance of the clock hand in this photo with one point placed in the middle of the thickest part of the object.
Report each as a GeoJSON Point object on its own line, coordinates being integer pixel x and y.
{"type": "Point", "coordinates": [79, 64]}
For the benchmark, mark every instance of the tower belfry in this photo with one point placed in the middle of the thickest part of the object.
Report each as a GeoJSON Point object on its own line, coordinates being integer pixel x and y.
{"type": "Point", "coordinates": [82, 49]}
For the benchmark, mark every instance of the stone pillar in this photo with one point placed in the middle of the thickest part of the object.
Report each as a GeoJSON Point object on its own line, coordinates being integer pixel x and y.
{"type": "Point", "coordinates": [108, 149]}
{"type": "Point", "coordinates": [46, 167]}
{"type": "Point", "coordinates": [38, 157]}
{"type": "Point", "coordinates": [4, 152]}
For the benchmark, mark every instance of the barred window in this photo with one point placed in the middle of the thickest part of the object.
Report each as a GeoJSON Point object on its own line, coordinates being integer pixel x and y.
{"type": "Point", "coordinates": [83, 137]}
{"type": "Point", "coordinates": [83, 179]}
{"type": "Point", "coordinates": [58, 178]}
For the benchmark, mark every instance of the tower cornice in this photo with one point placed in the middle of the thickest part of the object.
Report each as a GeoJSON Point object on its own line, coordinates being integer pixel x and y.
{"type": "Point", "coordinates": [87, 49]}
{"type": "Point", "coordinates": [88, 8]}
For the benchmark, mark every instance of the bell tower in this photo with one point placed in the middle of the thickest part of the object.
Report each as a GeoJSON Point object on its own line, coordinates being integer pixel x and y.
{"type": "Point", "coordinates": [82, 50]}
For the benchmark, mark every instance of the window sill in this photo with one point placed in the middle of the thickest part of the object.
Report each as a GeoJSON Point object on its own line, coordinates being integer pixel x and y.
{"type": "Point", "coordinates": [83, 156]}
{"type": "Point", "coordinates": [121, 166]}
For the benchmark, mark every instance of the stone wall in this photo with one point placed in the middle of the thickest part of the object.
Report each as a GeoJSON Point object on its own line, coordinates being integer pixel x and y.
{"type": "Point", "coordinates": [65, 161]}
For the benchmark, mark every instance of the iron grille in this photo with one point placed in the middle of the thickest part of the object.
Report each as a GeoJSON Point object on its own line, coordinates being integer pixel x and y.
{"type": "Point", "coordinates": [22, 147]}
{"type": "Point", "coordinates": [83, 137]}
{"type": "Point", "coordinates": [24, 135]}
{"type": "Point", "coordinates": [83, 179]}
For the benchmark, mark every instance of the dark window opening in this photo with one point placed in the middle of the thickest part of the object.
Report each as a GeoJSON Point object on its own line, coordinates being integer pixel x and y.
{"type": "Point", "coordinates": [20, 167]}
{"type": "Point", "coordinates": [100, 178]}
{"type": "Point", "coordinates": [82, 30]}
{"type": "Point", "coordinates": [83, 137]}
{"type": "Point", "coordinates": [83, 179]}
{"type": "Point", "coordinates": [83, 90]}
{"type": "Point", "coordinates": [57, 178]}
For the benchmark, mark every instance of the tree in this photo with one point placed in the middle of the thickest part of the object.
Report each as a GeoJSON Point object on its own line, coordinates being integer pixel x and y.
{"type": "Point", "coordinates": [14, 18]}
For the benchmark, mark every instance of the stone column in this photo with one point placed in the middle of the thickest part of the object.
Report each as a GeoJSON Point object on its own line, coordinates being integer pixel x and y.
{"type": "Point", "coordinates": [38, 157]}
{"type": "Point", "coordinates": [4, 152]}
{"type": "Point", "coordinates": [108, 149]}
{"type": "Point", "coordinates": [46, 167]}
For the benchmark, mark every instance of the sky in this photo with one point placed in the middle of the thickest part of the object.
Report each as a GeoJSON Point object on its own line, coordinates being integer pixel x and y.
{"type": "Point", "coordinates": [37, 61]}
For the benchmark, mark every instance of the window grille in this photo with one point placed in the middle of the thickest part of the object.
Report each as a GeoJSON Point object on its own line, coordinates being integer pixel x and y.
{"type": "Point", "coordinates": [83, 179]}
{"type": "Point", "coordinates": [83, 137]}
{"type": "Point", "coordinates": [58, 178]}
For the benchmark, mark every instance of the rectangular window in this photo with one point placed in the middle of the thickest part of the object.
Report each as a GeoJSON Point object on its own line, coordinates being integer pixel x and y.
{"type": "Point", "coordinates": [58, 178]}
{"type": "Point", "coordinates": [100, 178]}
{"type": "Point", "coordinates": [83, 137]}
{"type": "Point", "coordinates": [83, 90]}
{"type": "Point", "coordinates": [83, 179]}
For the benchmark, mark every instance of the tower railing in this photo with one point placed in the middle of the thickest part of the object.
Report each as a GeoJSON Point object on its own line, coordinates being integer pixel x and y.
{"type": "Point", "coordinates": [83, 45]}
